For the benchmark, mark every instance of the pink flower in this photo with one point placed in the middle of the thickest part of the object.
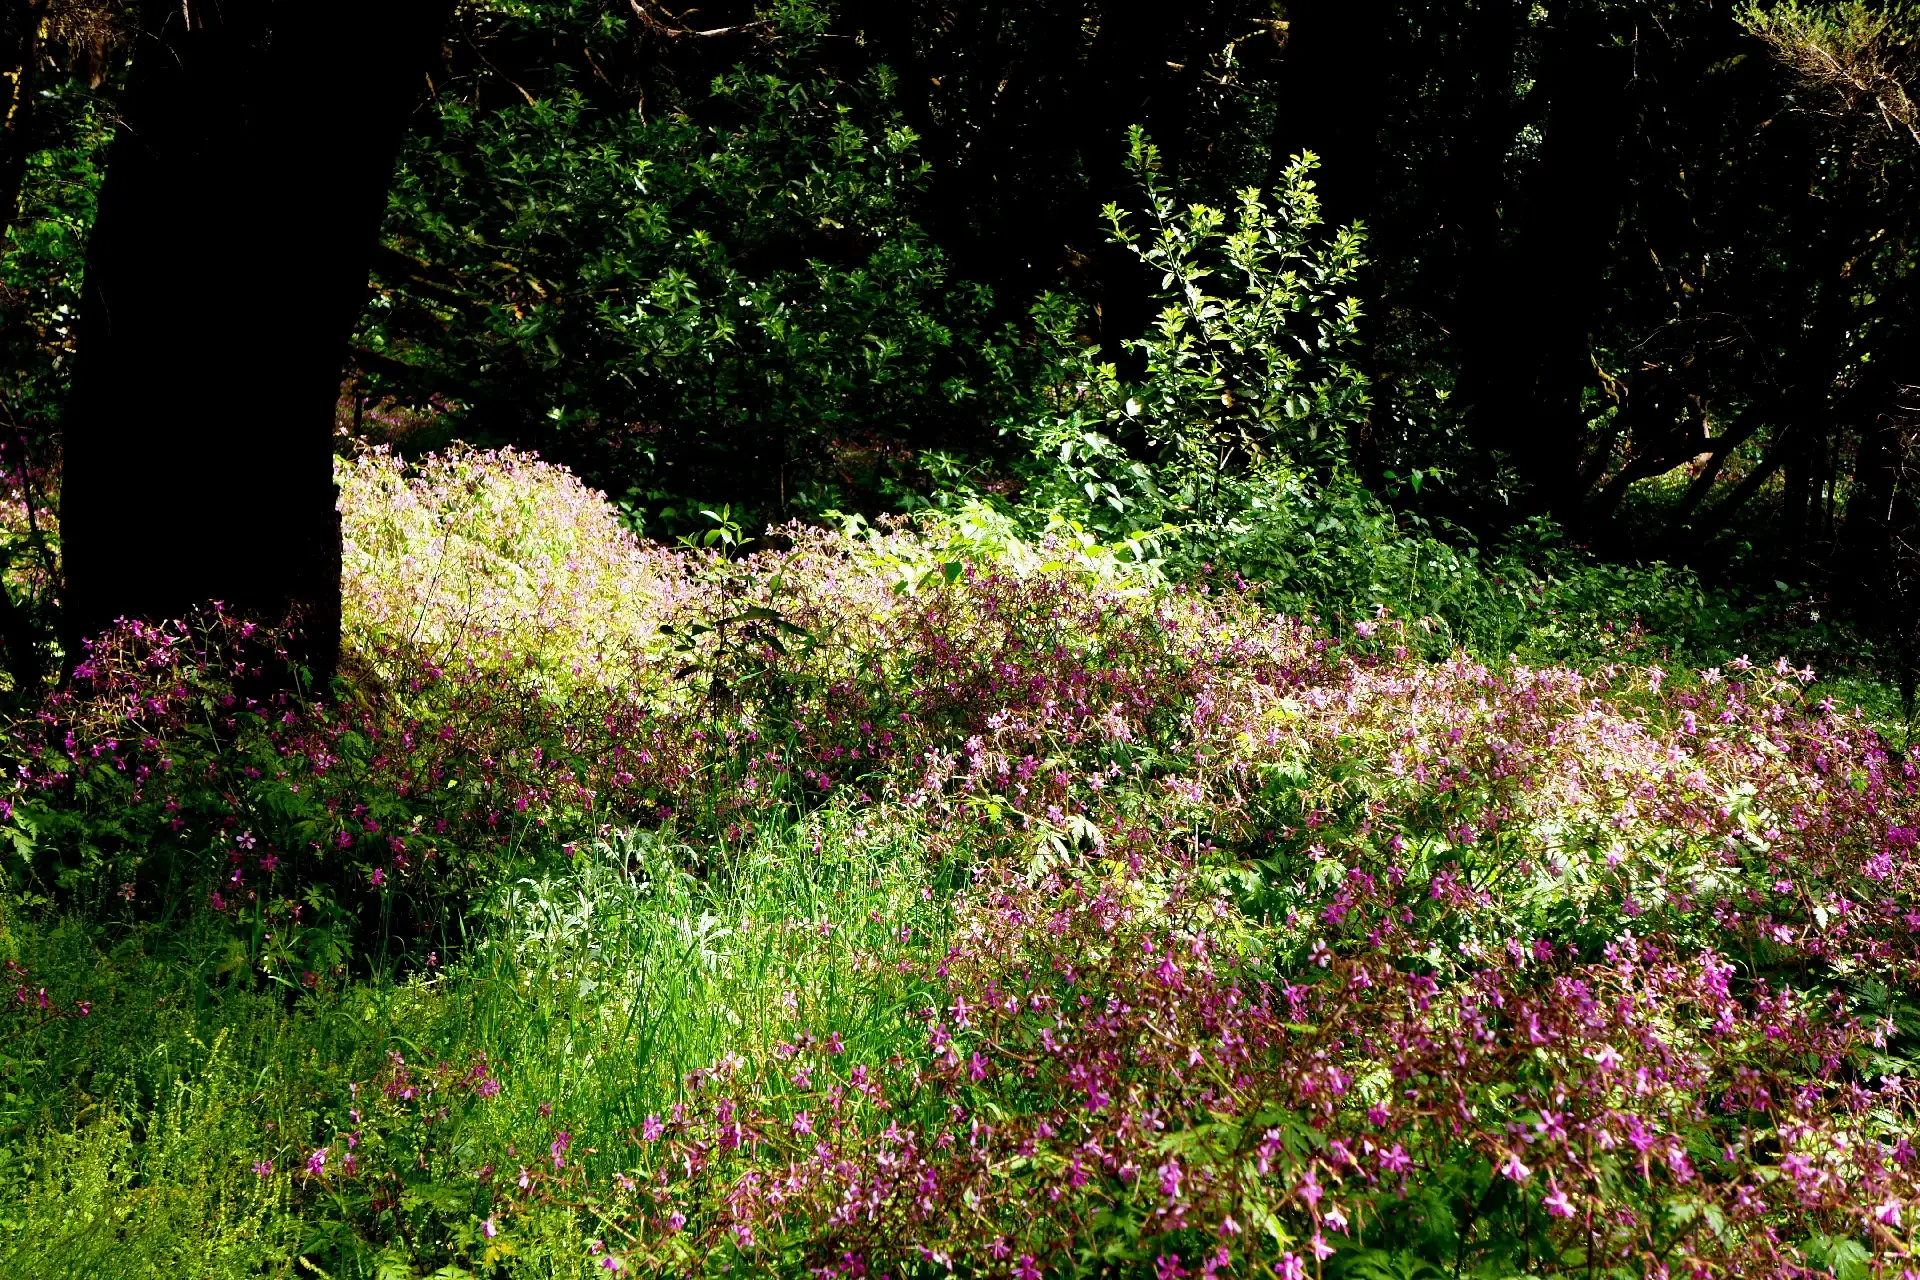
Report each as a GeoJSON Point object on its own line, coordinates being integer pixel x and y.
{"type": "Point", "coordinates": [1557, 1203]}
{"type": "Point", "coordinates": [1027, 1269]}
{"type": "Point", "coordinates": [263, 1168]}
{"type": "Point", "coordinates": [652, 1129]}
{"type": "Point", "coordinates": [1291, 1267]}
{"type": "Point", "coordinates": [1170, 1175]}
{"type": "Point", "coordinates": [488, 1229]}
{"type": "Point", "coordinates": [1514, 1169]}
{"type": "Point", "coordinates": [317, 1163]}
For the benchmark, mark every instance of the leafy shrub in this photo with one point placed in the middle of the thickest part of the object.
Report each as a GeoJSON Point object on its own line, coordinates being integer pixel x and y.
{"type": "Point", "coordinates": [478, 557]}
{"type": "Point", "coordinates": [1245, 367]}
{"type": "Point", "coordinates": [731, 299]}
{"type": "Point", "coordinates": [1227, 457]}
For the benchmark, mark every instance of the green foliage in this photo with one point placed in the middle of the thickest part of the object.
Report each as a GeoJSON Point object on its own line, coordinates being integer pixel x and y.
{"type": "Point", "coordinates": [730, 302]}
{"type": "Point", "coordinates": [1228, 458]}
{"type": "Point", "coordinates": [41, 263]}
{"type": "Point", "coordinates": [43, 255]}
{"type": "Point", "coordinates": [1867, 56]}
{"type": "Point", "coordinates": [1245, 369]}
{"type": "Point", "coordinates": [94, 1201]}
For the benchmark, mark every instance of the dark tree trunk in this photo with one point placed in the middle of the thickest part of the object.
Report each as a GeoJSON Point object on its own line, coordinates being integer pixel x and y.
{"type": "Point", "coordinates": [227, 265]}
{"type": "Point", "coordinates": [1564, 245]}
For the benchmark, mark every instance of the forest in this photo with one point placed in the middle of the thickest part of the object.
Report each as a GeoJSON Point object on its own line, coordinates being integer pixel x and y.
{"type": "Point", "coordinates": [876, 641]}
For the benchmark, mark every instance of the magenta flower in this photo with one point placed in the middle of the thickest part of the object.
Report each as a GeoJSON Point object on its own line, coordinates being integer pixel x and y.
{"type": "Point", "coordinates": [1170, 1175]}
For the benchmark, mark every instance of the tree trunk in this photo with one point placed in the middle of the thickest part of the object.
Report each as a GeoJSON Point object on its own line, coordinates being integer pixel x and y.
{"type": "Point", "coordinates": [227, 266]}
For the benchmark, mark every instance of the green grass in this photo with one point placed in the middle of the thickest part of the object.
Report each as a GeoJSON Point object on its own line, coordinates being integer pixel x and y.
{"type": "Point", "coordinates": [131, 1133]}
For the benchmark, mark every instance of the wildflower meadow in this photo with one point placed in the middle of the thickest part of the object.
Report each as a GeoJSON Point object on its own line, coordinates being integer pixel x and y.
{"type": "Point", "coordinates": [921, 899]}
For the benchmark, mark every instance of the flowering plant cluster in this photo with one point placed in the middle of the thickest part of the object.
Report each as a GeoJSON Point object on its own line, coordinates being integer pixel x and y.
{"type": "Point", "coordinates": [1105, 1077]}
{"type": "Point", "coordinates": [1268, 950]}
{"type": "Point", "coordinates": [1627, 995]}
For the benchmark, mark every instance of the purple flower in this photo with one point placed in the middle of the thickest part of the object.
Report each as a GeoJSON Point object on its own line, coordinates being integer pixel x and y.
{"type": "Point", "coordinates": [1170, 1175]}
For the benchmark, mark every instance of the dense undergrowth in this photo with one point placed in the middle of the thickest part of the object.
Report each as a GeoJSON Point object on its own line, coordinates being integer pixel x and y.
{"type": "Point", "coordinates": [927, 899]}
